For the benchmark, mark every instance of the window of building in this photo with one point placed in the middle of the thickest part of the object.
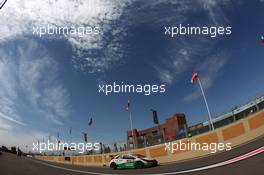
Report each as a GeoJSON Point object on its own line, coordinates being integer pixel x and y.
{"type": "Point", "coordinates": [154, 132]}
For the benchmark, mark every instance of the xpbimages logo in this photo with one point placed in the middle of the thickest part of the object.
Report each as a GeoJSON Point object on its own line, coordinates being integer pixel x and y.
{"type": "Point", "coordinates": [60, 146]}
{"type": "Point", "coordinates": [146, 89]}
{"type": "Point", "coordinates": [2, 3]}
{"type": "Point", "coordinates": [212, 31]}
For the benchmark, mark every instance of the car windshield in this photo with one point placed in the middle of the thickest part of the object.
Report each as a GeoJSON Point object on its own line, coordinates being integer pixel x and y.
{"type": "Point", "coordinates": [118, 157]}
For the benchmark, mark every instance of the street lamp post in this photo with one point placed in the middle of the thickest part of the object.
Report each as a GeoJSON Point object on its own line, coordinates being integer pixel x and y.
{"type": "Point", "coordinates": [207, 107]}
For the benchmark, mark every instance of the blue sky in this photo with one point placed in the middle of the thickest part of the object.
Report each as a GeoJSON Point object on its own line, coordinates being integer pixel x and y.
{"type": "Point", "coordinates": [48, 85]}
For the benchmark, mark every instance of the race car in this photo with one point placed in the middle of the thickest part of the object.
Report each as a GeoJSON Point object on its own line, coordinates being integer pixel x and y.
{"type": "Point", "coordinates": [132, 161]}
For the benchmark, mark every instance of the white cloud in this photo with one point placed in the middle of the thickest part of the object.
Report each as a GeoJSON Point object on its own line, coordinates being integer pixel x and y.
{"type": "Point", "coordinates": [5, 125]}
{"type": "Point", "coordinates": [10, 119]}
{"type": "Point", "coordinates": [209, 71]}
{"type": "Point", "coordinates": [97, 53]}
{"type": "Point", "coordinates": [215, 12]}
{"type": "Point", "coordinates": [27, 73]}
{"type": "Point", "coordinates": [29, 76]}
{"type": "Point", "coordinates": [13, 138]}
{"type": "Point", "coordinates": [186, 54]}
{"type": "Point", "coordinates": [165, 76]}
{"type": "Point", "coordinates": [93, 53]}
{"type": "Point", "coordinates": [8, 94]}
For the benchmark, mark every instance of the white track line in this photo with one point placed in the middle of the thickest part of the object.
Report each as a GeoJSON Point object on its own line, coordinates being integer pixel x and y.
{"type": "Point", "coordinates": [227, 162]}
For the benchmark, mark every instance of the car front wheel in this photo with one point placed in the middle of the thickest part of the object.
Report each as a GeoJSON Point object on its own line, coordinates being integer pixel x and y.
{"type": "Point", "coordinates": [139, 165]}
{"type": "Point", "coordinates": [113, 165]}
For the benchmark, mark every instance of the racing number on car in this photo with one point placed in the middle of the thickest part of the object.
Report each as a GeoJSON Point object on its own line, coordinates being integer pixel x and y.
{"type": "Point", "coordinates": [130, 163]}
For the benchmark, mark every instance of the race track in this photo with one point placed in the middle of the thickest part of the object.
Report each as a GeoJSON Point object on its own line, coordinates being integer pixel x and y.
{"type": "Point", "coordinates": [12, 165]}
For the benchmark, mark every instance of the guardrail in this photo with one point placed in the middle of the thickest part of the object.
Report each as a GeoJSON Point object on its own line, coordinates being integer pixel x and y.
{"type": "Point", "coordinates": [237, 133]}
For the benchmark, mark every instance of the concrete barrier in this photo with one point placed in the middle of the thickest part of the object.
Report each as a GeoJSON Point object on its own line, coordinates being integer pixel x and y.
{"type": "Point", "coordinates": [237, 133]}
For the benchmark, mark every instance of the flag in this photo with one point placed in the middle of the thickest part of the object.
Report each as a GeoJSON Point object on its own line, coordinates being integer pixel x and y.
{"type": "Point", "coordinates": [194, 77]}
{"type": "Point", "coordinates": [155, 117]}
{"type": "Point", "coordinates": [262, 39]}
{"type": "Point", "coordinates": [90, 121]}
{"type": "Point", "coordinates": [128, 105]}
{"type": "Point", "coordinates": [85, 137]}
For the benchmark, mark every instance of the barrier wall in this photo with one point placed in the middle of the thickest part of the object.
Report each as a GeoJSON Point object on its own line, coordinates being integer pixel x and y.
{"type": "Point", "coordinates": [237, 133]}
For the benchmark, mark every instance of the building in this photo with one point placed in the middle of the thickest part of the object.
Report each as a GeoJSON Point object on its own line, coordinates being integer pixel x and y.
{"type": "Point", "coordinates": [157, 134]}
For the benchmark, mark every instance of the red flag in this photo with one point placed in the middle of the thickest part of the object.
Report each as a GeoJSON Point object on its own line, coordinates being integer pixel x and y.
{"type": "Point", "coordinates": [90, 122]}
{"type": "Point", "coordinates": [194, 77]}
{"type": "Point", "coordinates": [128, 105]}
{"type": "Point", "coordinates": [262, 39]}
{"type": "Point", "coordinates": [85, 137]}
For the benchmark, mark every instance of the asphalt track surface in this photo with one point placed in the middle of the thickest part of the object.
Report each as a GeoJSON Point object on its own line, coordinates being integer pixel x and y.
{"type": "Point", "coordinates": [12, 165]}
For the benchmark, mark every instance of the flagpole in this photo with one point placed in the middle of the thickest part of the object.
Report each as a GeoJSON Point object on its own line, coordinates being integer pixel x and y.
{"type": "Point", "coordinates": [207, 107]}
{"type": "Point", "coordinates": [131, 126]}
{"type": "Point", "coordinates": [58, 137]}
{"type": "Point", "coordinates": [87, 152]}
{"type": "Point", "coordinates": [89, 125]}
{"type": "Point", "coordinates": [69, 148]}
{"type": "Point", "coordinates": [70, 135]}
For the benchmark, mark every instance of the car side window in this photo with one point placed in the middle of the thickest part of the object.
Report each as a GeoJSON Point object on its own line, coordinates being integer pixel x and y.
{"type": "Point", "coordinates": [128, 157]}
{"type": "Point", "coordinates": [119, 157]}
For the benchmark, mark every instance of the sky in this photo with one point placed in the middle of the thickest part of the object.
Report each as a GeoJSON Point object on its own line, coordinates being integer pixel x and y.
{"type": "Point", "coordinates": [49, 84]}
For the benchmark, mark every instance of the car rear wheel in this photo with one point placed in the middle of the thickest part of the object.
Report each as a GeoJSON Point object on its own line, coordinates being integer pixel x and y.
{"type": "Point", "coordinates": [139, 165]}
{"type": "Point", "coordinates": [155, 163]}
{"type": "Point", "coordinates": [113, 165]}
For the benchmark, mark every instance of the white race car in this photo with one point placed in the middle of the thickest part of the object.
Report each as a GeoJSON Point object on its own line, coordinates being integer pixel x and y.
{"type": "Point", "coordinates": [134, 161]}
